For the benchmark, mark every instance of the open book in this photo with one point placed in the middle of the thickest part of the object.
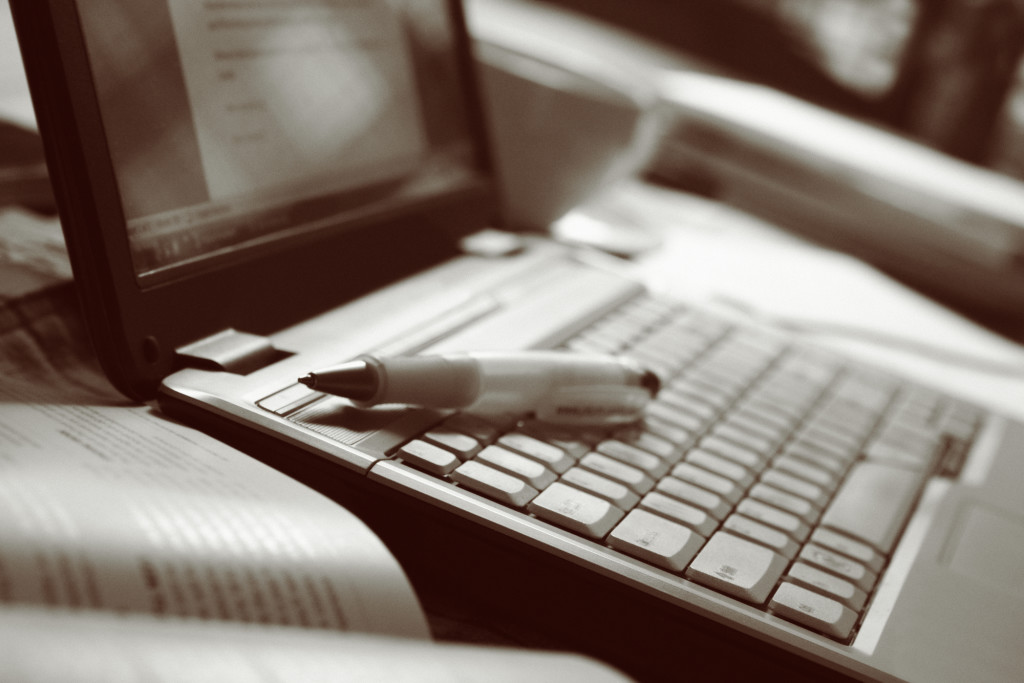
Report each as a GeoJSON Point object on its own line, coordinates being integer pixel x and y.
{"type": "Point", "coordinates": [132, 548]}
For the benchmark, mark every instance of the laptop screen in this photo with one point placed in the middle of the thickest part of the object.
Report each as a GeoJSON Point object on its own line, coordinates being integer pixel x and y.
{"type": "Point", "coordinates": [234, 123]}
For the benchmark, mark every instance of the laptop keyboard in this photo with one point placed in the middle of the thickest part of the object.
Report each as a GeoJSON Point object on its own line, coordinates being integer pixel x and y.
{"type": "Point", "coordinates": [770, 473]}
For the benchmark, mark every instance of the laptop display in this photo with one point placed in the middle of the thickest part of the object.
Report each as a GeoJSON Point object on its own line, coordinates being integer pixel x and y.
{"type": "Point", "coordinates": [233, 124]}
{"type": "Point", "coordinates": [237, 152]}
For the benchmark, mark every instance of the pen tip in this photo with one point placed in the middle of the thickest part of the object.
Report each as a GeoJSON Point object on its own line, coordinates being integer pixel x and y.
{"type": "Point", "coordinates": [309, 380]}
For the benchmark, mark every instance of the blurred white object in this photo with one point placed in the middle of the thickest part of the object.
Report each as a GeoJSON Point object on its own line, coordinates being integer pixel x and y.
{"type": "Point", "coordinates": [849, 165]}
{"type": "Point", "coordinates": [566, 117]}
{"type": "Point", "coordinates": [950, 228]}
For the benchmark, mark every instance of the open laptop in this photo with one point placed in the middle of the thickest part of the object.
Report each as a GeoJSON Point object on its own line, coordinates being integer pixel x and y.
{"type": "Point", "coordinates": [253, 190]}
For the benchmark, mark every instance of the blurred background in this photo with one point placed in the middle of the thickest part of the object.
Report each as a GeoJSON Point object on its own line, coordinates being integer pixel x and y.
{"type": "Point", "coordinates": [949, 73]}
{"type": "Point", "coordinates": [892, 130]}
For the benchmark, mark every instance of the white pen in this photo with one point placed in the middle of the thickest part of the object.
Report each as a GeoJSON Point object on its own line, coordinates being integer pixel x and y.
{"type": "Point", "coordinates": [557, 386]}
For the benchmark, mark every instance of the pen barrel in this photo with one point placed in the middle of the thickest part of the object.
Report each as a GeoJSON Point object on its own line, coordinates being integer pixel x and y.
{"type": "Point", "coordinates": [434, 381]}
{"type": "Point", "coordinates": [556, 385]}
{"type": "Point", "coordinates": [560, 385]}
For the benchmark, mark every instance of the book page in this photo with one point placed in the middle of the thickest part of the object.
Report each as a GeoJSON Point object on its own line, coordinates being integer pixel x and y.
{"type": "Point", "coordinates": [138, 649]}
{"type": "Point", "coordinates": [113, 507]}
{"type": "Point", "coordinates": [106, 505]}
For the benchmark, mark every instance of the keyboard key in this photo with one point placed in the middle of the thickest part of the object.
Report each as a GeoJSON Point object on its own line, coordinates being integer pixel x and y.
{"type": "Point", "coordinates": [787, 502]}
{"type": "Point", "coordinates": [551, 456]}
{"type": "Point", "coordinates": [723, 467]}
{"type": "Point", "coordinates": [758, 443]}
{"type": "Point", "coordinates": [835, 443]}
{"type": "Point", "coordinates": [785, 410]}
{"type": "Point", "coordinates": [576, 510]}
{"type": "Point", "coordinates": [655, 539]}
{"type": "Point", "coordinates": [575, 442]}
{"type": "Point", "coordinates": [916, 402]}
{"type": "Point", "coordinates": [731, 383]}
{"type": "Point", "coordinates": [811, 369]}
{"type": "Point", "coordinates": [611, 336]}
{"type": "Point", "coordinates": [913, 452]}
{"type": "Point", "coordinates": [814, 611]}
{"type": "Point", "coordinates": [647, 311]}
{"type": "Point", "coordinates": [856, 550]}
{"type": "Point", "coordinates": [804, 470]}
{"type": "Point", "coordinates": [763, 534]}
{"type": "Point", "coordinates": [458, 443]}
{"type": "Point", "coordinates": [675, 417]}
{"type": "Point", "coordinates": [614, 492]}
{"type": "Point", "coordinates": [740, 350]}
{"type": "Point", "coordinates": [897, 429]}
{"type": "Point", "coordinates": [712, 503]}
{"type": "Point", "coordinates": [727, 449]}
{"type": "Point", "coordinates": [873, 503]}
{"type": "Point", "coordinates": [700, 394]}
{"type": "Point", "coordinates": [635, 479]}
{"type": "Point", "coordinates": [651, 442]}
{"type": "Point", "coordinates": [871, 393]}
{"type": "Point", "coordinates": [488, 481]}
{"type": "Point", "coordinates": [807, 370]}
{"type": "Point", "coordinates": [428, 457]}
{"type": "Point", "coordinates": [786, 390]}
{"type": "Point", "coordinates": [835, 563]}
{"type": "Point", "coordinates": [751, 425]}
{"type": "Point", "coordinates": [841, 445]}
{"type": "Point", "coordinates": [788, 523]}
{"type": "Point", "coordinates": [726, 488]}
{"type": "Point", "coordinates": [530, 471]}
{"type": "Point", "coordinates": [850, 421]}
{"type": "Point", "coordinates": [667, 431]}
{"type": "Point", "coordinates": [686, 404]}
{"type": "Point", "coordinates": [631, 455]}
{"type": "Point", "coordinates": [829, 585]}
{"type": "Point", "coordinates": [751, 411]}
{"type": "Point", "coordinates": [737, 567]}
{"type": "Point", "coordinates": [817, 457]}
{"type": "Point", "coordinates": [695, 518]}
{"type": "Point", "coordinates": [816, 495]}
{"type": "Point", "coordinates": [593, 344]}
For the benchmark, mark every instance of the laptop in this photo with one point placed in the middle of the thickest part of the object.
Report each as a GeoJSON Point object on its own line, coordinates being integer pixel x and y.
{"type": "Point", "coordinates": [252, 190]}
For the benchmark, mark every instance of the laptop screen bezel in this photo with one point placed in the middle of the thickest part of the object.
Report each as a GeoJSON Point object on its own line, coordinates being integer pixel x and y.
{"type": "Point", "coordinates": [136, 328]}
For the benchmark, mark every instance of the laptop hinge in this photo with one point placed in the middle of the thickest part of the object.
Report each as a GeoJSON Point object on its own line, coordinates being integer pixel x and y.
{"type": "Point", "coordinates": [231, 351]}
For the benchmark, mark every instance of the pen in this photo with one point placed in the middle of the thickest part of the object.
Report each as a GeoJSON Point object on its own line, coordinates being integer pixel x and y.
{"type": "Point", "coordinates": [558, 386]}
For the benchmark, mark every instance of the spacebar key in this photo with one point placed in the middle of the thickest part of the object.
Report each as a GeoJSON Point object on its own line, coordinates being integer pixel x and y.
{"type": "Point", "coordinates": [873, 503]}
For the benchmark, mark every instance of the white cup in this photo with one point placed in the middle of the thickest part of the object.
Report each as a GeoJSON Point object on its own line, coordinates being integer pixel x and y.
{"type": "Point", "coordinates": [559, 135]}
